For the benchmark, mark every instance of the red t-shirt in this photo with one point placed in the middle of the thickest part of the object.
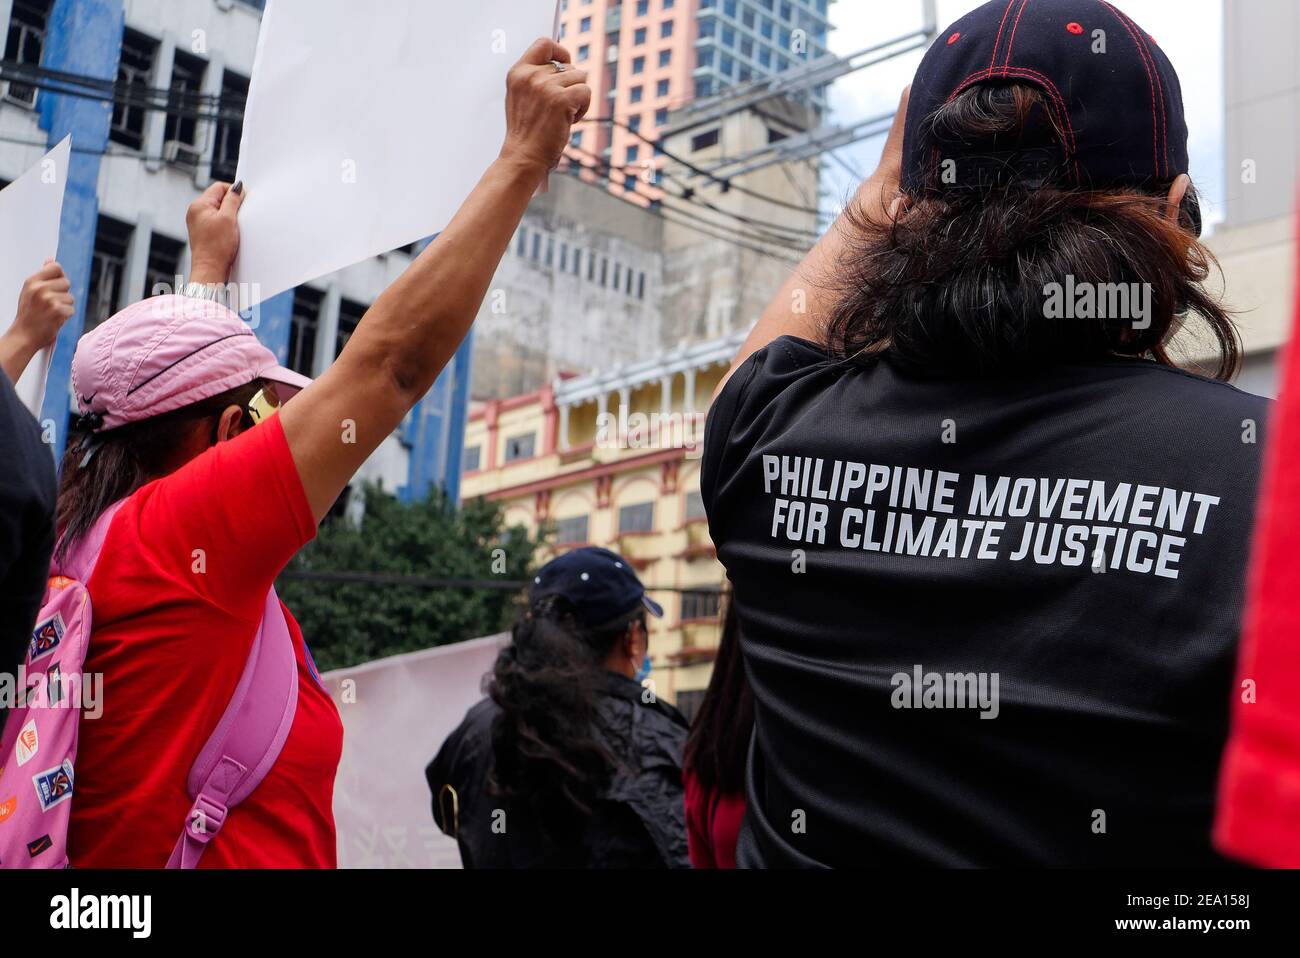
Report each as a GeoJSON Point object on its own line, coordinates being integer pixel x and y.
{"type": "Point", "coordinates": [177, 599]}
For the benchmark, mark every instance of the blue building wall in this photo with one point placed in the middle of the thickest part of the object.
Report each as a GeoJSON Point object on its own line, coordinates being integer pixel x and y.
{"type": "Point", "coordinates": [85, 37]}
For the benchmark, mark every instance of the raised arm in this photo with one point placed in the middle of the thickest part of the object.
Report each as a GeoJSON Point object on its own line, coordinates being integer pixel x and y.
{"type": "Point", "coordinates": [415, 327]}
{"type": "Point", "coordinates": [43, 307]}
{"type": "Point", "coordinates": [806, 287]}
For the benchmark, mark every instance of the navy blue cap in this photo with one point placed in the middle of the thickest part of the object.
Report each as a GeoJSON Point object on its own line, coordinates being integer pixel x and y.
{"type": "Point", "coordinates": [1121, 109]}
{"type": "Point", "coordinates": [598, 583]}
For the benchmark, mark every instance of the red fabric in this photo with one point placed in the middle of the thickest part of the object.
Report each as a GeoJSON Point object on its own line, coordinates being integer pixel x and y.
{"type": "Point", "coordinates": [1259, 792]}
{"type": "Point", "coordinates": [172, 630]}
{"type": "Point", "coordinates": [712, 824]}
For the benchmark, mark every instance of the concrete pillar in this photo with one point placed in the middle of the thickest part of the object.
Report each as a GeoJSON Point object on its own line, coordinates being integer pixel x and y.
{"type": "Point", "coordinates": [208, 136]}
{"type": "Point", "coordinates": [564, 426]}
{"type": "Point", "coordinates": [156, 121]}
{"type": "Point", "coordinates": [666, 396]}
{"type": "Point", "coordinates": [689, 405]}
{"type": "Point", "coordinates": [327, 329]}
{"type": "Point", "coordinates": [624, 411]}
{"type": "Point", "coordinates": [137, 262]}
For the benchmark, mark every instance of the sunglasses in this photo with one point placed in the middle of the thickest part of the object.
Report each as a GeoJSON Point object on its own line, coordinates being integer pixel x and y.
{"type": "Point", "coordinates": [264, 405]}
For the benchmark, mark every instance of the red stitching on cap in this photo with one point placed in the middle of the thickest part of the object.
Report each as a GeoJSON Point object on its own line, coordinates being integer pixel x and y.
{"type": "Point", "coordinates": [954, 38]}
{"type": "Point", "coordinates": [1160, 87]}
{"type": "Point", "coordinates": [1159, 129]}
{"type": "Point", "coordinates": [1075, 28]}
{"type": "Point", "coordinates": [1057, 103]}
{"type": "Point", "coordinates": [998, 42]}
{"type": "Point", "coordinates": [1012, 42]}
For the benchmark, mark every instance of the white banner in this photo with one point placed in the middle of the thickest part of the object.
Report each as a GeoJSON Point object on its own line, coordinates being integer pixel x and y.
{"type": "Point", "coordinates": [396, 714]}
{"type": "Point", "coordinates": [30, 210]}
{"type": "Point", "coordinates": [365, 131]}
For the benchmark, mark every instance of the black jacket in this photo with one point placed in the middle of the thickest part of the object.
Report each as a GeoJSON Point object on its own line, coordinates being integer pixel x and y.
{"type": "Point", "coordinates": [638, 823]}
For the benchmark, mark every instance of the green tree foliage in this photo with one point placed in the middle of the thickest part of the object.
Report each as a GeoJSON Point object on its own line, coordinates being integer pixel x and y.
{"type": "Point", "coordinates": [346, 624]}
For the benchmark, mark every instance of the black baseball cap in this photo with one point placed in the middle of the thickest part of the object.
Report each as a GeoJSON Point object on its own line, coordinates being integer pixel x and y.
{"type": "Point", "coordinates": [599, 584]}
{"type": "Point", "coordinates": [1105, 79]}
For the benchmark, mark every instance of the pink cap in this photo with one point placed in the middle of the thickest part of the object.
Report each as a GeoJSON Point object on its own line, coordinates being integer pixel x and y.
{"type": "Point", "coordinates": [166, 353]}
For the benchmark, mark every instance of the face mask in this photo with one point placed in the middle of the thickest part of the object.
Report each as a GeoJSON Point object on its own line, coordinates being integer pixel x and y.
{"type": "Point", "coordinates": [643, 673]}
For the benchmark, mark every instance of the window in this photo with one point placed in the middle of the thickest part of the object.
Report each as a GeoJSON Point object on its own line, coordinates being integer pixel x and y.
{"type": "Point", "coordinates": [637, 518]}
{"type": "Point", "coordinates": [705, 140]}
{"type": "Point", "coordinates": [521, 245]}
{"type": "Point", "coordinates": [665, 30]}
{"type": "Point", "coordinates": [635, 94]}
{"type": "Point", "coordinates": [633, 154]}
{"type": "Point", "coordinates": [134, 70]}
{"type": "Point", "coordinates": [618, 267]}
{"type": "Point", "coordinates": [585, 25]}
{"type": "Point", "coordinates": [694, 506]}
{"type": "Point", "coordinates": [519, 448]}
{"type": "Point", "coordinates": [634, 123]}
{"type": "Point", "coordinates": [304, 325]}
{"type": "Point", "coordinates": [661, 117]}
{"type": "Point", "coordinates": [572, 531]}
{"type": "Point", "coordinates": [661, 88]}
{"type": "Point", "coordinates": [225, 151]}
{"type": "Point", "coordinates": [181, 131]}
{"type": "Point", "coordinates": [472, 460]}
{"type": "Point", "coordinates": [700, 605]}
{"type": "Point", "coordinates": [640, 287]}
{"type": "Point", "coordinates": [350, 314]}
{"type": "Point", "coordinates": [164, 265]}
{"type": "Point", "coordinates": [629, 183]}
{"type": "Point", "coordinates": [642, 7]}
{"type": "Point", "coordinates": [665, 57]}
{"type": "Point", "coordinates": [639, 37]}
{"type": "Point", "coordinates": [25, 46]}
{"type": "Point", "coordinates": [584, 51]}
{"type": "Point", "coordinates": [107, 271]}
{"type": "Point", "coordinates": [576, 139]}
{"type": "Point", "coordinates": [638, 65]}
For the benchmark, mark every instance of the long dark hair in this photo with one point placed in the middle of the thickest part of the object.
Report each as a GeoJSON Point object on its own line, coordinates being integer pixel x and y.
{"type": "Point", "coordinates": [129, 457]}
{"type": "Point", "coordinates": [719, 741]}
{"type": "Point", "coordinates": [550, 754]}
{"type": "Point", "coordinates": [957, 282]}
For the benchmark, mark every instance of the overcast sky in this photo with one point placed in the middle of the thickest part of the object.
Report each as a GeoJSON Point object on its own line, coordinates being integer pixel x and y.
{"type": "Point", "coordinates": [1189, 31]}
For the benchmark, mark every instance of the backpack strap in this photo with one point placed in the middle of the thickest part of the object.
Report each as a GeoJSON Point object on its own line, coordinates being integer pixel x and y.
{"type": "Point", "coordinates": [79, 563]}
{"type": "Point", "coordinates": [247, 740]}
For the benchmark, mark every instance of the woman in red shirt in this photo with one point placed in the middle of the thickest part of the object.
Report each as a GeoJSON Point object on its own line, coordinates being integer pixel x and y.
{"type": "Point", "coordinates": [182, 423]}
{"type": "Point", "coordinates": [713, 769]}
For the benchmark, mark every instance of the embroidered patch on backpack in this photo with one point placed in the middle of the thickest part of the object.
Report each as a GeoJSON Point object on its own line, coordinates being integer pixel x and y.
{"type": "Point", "coordinates": [54, 786]}
{"type": "Point", "coordinates": [46, 638]}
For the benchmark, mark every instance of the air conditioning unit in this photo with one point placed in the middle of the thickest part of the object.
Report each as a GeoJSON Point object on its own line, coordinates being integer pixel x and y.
{"type": "Point", "coordinates": [19, 94]}
{"type": "Point", "coordinates": [182, 153]}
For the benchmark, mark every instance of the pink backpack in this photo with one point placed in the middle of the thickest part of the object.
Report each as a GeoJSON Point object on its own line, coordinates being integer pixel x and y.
{"type": "Point", "coordinates": [38, 751]}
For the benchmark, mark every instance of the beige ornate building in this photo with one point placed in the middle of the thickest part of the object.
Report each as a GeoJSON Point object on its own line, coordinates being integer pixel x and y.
{"type": "Point", "coordinates": [613, 459]}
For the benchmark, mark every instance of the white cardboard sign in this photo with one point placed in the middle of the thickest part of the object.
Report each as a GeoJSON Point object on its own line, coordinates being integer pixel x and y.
{"type": "Point", "coordinates": [30, 210]}
{"type": "Point", "coordinates": [367, 127]}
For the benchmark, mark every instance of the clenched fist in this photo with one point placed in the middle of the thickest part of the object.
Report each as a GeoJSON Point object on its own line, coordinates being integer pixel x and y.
{"type": "Point", "coordinates": [542, 104]}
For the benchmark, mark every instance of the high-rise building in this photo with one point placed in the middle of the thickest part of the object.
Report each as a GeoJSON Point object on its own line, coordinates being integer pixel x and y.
{"type": "Point", "coordinates": [649, 57]}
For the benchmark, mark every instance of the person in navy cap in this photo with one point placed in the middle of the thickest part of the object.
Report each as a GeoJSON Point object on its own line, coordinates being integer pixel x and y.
{"type": "Point", "coordinates": [569, 762]}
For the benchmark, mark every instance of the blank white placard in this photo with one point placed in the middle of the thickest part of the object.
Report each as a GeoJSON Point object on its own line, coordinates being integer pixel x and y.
{"type": "Point", "coordinates": [30, 210]}
{"type": "Point", "coordinates": [368, 125]}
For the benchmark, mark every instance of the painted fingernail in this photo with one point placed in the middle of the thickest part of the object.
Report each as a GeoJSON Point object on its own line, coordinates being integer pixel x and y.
{"type": "Point", "coordinates": [238, 188]}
